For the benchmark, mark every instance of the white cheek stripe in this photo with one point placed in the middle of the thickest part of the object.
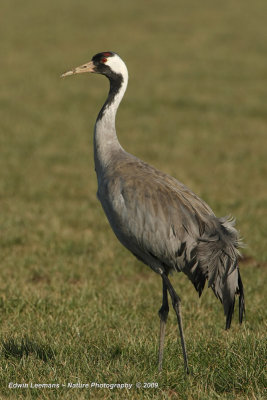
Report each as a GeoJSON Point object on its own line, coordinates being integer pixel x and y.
{"type": "Point", "coordinates": [117, 65]}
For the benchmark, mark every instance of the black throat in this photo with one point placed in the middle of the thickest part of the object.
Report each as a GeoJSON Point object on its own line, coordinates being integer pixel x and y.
{"type": "Point", "coordinates": [115, 81]}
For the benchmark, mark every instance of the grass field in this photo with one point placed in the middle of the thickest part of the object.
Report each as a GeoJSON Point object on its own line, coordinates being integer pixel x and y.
{"type": "Point", "coordinates": [75, 306]}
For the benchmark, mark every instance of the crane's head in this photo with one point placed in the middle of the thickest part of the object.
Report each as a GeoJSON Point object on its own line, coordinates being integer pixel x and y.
{"type": "Point", "coordinates": [107, 63]}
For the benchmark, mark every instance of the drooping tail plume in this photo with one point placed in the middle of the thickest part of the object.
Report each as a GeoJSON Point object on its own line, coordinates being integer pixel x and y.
{"type": "Point", "coordinates": [218, 255]}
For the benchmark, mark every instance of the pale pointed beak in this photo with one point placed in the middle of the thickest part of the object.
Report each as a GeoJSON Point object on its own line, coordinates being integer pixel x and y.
{"type": "Point", "coordinates": [88, 67]}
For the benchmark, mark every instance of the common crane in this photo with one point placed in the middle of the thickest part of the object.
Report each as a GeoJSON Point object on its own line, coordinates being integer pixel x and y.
{"type": "Point", "coordinates": [162, 222]}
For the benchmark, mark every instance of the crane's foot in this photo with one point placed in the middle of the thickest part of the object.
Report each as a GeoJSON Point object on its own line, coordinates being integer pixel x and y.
{"type": "Point", "coordinates": [176, 306]}
{"type": "Point", "coordinates": [163, 315]}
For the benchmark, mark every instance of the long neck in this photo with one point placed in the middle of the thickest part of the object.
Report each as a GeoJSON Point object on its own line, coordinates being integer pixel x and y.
{"type": "Point", "coordinates": [105, 137]}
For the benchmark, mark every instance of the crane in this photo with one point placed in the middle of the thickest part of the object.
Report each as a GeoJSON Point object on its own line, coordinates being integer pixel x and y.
{"type": "Point", "coordinates": [156, 217]}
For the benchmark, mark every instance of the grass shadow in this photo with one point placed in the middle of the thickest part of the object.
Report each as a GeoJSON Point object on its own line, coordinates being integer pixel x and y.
{"type": "Point", "coordinates": [25, 347]}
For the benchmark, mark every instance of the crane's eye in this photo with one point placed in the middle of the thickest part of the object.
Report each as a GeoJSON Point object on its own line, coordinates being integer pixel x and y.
{"type": "Point", "coordinates": [104, 60]}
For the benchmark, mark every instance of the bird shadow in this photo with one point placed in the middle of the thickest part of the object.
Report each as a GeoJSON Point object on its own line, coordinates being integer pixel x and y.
{"type": "Point", "coordinates": [26, 347]}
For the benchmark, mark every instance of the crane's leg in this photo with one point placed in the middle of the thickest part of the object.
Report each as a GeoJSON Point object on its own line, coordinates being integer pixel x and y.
{"type": "Point", "coordinates": [163, 315]}
{"type": "Point", "coordinates": [176, 305]}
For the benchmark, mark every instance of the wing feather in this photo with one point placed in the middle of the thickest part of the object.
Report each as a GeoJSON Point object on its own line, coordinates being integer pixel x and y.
{"type": "Point", "coordinates": [167, 226]}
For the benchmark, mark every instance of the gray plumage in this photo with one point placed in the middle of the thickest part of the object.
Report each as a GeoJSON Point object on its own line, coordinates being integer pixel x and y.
{"type": "Point", "coordinates": [168, 227]}
{"type": "Point", "coordinates": [162, 222]}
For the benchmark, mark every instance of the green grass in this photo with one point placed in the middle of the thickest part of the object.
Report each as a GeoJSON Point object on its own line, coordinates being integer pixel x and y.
{"type": "Point", "coordinates": [74, 305]}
